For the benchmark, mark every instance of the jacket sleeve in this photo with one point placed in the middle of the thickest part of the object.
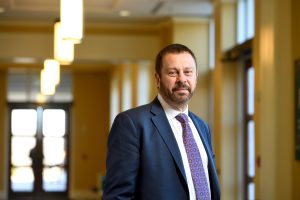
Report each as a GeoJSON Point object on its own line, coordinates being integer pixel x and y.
{"type": "Point", "coordinates": [122, 162]}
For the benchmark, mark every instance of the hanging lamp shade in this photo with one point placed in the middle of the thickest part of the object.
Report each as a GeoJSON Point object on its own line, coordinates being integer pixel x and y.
{"type": "Point", "coordinates": [52, 68]}
{"type": "Point", "coordinates": [50, 76]}
{"type": "Point", "coordinates": [63, 49]}
{"type": "Point", "coordinates": [71, 17]}
{"type": "Point", "coordinates": [47, 86]}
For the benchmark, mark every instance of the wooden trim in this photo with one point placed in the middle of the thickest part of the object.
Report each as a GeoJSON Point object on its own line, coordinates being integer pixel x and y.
{"type": "Point", "coordinates": [243, 50]}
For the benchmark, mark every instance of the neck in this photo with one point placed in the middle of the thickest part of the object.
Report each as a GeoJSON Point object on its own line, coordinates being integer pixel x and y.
{"type": "Point", "coordinates": [180, 108]}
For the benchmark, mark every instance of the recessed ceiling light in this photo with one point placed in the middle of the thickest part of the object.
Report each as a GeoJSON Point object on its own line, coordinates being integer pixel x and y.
{"type": "Point", "coordinates": [124, 13]}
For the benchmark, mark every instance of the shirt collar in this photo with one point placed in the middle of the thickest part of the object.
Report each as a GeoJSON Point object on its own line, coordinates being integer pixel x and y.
{"type": "Point", "coordinates": [170, 112]}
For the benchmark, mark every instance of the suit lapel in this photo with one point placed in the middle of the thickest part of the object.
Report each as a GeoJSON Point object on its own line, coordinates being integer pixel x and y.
{"type": "Point", "coordinates": [200, 128]}
{"type": "Point", "coordinates": [164, 129]}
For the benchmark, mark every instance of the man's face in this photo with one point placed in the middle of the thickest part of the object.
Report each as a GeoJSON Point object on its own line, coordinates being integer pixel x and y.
{"type": "Point", "coordinates": [178, 79]}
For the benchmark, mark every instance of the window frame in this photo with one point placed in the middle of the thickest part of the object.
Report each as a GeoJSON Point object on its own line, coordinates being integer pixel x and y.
{"type": "Point", "coordinates": [42, 194]}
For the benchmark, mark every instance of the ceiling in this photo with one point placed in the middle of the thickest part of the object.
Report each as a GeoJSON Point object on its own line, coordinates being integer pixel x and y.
{"type": "Point", "coordinates": [47, 11]}
{"type": "Point", "coordinates": [105, 10]}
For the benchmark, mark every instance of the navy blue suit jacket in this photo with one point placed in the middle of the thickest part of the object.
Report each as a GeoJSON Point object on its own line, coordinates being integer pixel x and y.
{"type": "Point", "coordinates": [143, 158]}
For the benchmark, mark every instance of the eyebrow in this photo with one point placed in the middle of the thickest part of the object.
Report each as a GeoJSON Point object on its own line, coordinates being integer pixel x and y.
{"type": "Point", "coordinates": [191, 67]}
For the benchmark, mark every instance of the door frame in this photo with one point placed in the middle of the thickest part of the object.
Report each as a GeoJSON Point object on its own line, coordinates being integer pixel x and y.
{"type": "Point", "coordinates": [39, 194]}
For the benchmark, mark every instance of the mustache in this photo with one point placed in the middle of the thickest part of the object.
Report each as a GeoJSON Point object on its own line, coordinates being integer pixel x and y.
{"type": "Point", "coordinates": [181, 86]}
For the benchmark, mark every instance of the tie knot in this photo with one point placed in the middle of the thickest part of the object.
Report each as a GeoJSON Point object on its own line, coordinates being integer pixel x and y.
{"type": "Point", "coordinates": [182, 118]}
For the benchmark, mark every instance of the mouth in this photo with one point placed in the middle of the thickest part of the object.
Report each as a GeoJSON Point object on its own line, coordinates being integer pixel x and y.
{"type": "Point", "coordinates": [180, 87]}
{"type": "Point", "coordinates": [181, 90]}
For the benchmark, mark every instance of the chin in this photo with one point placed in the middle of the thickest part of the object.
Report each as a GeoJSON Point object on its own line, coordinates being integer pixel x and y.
{"type": "Point", "coordinates": [181, 100]}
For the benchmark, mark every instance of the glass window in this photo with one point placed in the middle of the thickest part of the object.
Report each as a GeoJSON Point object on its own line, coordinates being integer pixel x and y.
{"type": "Point", "coordinates": [241, 21]}
{"type": "Point", "coordinates": [54, 123]}
{"type": "Point", "coordinates": [23, 85]}
{"type": "Point", "coordinates": [251, 191]}
{"type": "Point", "coordinates": [54, 151]}
{"type": "Point", "coordinates": [250, 134]}
{"type": "Point", "coordinates": [250, 91]}
{"type": "Point", "coordinates": [22, 179]}
{"type": "Point", "coordinates": [245, 20]}
{"type": "Point", "coordinates": [24, 122]}
{"type": "Point", "coordinates": [54, 179]}
{"type": "Point", "coordinates": [250, 19]}
{"type": "Point", "coordinates": [38, 150]}
{"type": "Point", "coordinates": [20, 149]}
{"type": "Point", "coordinates": [251, 149]}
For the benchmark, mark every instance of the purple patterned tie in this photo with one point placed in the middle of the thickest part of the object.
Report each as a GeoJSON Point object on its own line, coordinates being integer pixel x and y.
{"type": "Point", "coordinates": [194, 158]}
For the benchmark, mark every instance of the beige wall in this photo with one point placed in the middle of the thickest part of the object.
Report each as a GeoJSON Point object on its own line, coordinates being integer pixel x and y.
{"type": "Point", "coordinates": [225, 96]}
{"type": "Point", "coordinates": [274, 102]}
{"type": "Point", "coordinates": [124, 47]}
{"type": "Point", "coordinates": [113, 44]}
{"type": "Point", "coordinates": [296, 55]}
{"type": "Point", "coordinates": [3, 149]}
{"type": "Point", "coordinates": [89, 130]}
{"type": "Point", "coordinates": [228, 136]}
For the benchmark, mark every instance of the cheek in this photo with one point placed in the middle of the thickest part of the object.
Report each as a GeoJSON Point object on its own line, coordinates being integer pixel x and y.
{"type": "Point", "coordinates": [168, 83]}
{"type": "Point", "coordinates": [193, 83]}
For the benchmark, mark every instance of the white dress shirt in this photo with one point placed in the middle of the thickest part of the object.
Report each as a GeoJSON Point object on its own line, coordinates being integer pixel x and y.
{"type": "Point", "coordinates": [177, 130]}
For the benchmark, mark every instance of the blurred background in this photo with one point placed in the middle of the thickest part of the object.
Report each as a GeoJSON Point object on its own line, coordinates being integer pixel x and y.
{"type": "Point", "coordinates": [61, 89]}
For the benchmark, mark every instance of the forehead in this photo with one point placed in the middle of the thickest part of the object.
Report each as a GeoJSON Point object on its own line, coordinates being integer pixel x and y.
{"type": "Point", "coordinates": [183, 59]}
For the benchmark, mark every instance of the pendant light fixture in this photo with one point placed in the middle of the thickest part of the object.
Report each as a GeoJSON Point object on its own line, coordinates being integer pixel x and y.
{"type": "Point", "coordinates": [71, 17]}
{"type": "Point", "coordinates": [63, 49]}
{"type": "Point", "coordinates": [50, 76]}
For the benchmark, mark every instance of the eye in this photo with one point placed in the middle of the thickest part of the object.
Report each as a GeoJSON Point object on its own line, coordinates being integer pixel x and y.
{"type": "Point", "coordinates": [172, 73]}
{"type": "Point", "coordinates": [188, 72]}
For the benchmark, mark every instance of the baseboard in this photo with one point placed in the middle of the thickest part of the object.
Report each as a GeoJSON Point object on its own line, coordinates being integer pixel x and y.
{"type": "Point", "coordinates": [3, 195]}
{"type": "Point", "coordinates": [84, 195]}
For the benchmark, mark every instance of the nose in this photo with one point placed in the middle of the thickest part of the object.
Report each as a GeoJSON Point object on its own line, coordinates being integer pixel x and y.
{"type": "Point", "coordinates": [181, 77]}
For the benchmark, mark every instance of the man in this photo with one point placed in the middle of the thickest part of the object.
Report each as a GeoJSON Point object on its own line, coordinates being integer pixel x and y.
{"type": "Point", "coordinates": [155, 151]}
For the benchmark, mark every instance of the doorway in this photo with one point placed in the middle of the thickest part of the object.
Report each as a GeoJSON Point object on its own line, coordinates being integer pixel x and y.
{"type": "Point", "coordinates": [38, 151]}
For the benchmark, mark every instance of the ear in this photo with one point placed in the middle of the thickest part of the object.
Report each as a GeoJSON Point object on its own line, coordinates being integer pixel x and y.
{"type": "Point", "coordinates": [157, 78]}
